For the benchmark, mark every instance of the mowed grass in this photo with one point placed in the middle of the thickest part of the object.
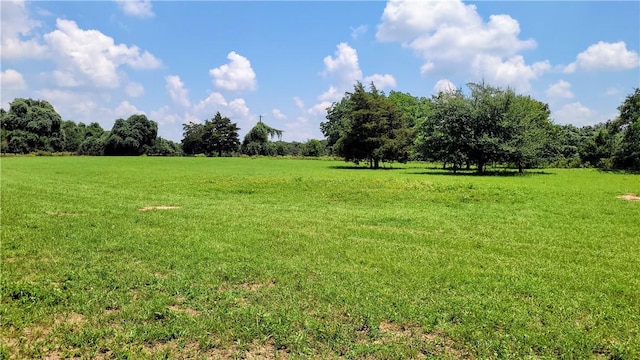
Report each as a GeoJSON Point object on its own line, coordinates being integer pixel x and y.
{"type": "Point", "coordinates": [275, 258]}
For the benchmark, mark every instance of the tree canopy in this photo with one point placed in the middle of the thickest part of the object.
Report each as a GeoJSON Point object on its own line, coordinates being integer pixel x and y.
{"type": "Point", "coordinates": [31, 125]}
{"type": "Point", "coordinates": [368, 126]}
{"type": "Point", "coordinates": [256, 142]}
{"type": "Point", "coordinates": [134, 136]}
{"type": "Point", "coordinates": [216, 136]}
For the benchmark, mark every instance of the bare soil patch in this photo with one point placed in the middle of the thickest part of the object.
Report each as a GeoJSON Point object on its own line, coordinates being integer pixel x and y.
{"type": "Point", "coordinates": [159, 207]}
{"type": "Point", "coordinates": [61, 213]}
{"type": "Point", "coordinates": [257, 286]}
{"type": "Point", "coordinates": [440, 343]}
{"type": "Point", "coordinates": [629, 197]}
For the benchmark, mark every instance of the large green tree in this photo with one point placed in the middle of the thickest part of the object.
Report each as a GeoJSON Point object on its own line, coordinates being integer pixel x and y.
{"type": "Point", "coordinates": [368, 127]}
{"type": "Point", "coordinates": [30, 125]}
{"type": "Point", "coordinates": [134, 136]}
{"type": "Point", "coordinates": [257, 142]}
{"type": "Point", "coordinates": [220, 136]}
{"type": "Point", "coordinates": [627, 155]}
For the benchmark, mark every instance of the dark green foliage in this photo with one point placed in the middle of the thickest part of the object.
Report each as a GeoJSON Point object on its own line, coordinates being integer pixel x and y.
{"type": "Point", "coordinates": [256, 142]}
{"type": "Point", "coordinates": [490, 125]}
{"type": "Point", "coordinates": [368, 127]}
{"type": "Point", "coordinates": [220, 136]}
{"type": "Point", "coordinates": [192, 135]}
{"type": "Point", "coordinates": [134, 136]}
{"type": "Point", "coordinates": [30, 125]}
{"type": "Point", "coordinates": [313, 148]}
{"type": "Point", "coordinates": [627, 155]}
{"type": "Point", "coordinates": [164, 147]}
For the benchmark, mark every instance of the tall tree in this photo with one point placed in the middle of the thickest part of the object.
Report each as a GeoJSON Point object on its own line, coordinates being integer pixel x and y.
{"type": "Point", "coordinates": [528, 132]}
{"type": "Point", "coordinates": [627, 155]}
{"type": "Point", "coordinates": [256, 142]}
{"type": "Point", "coordinates": [220, 136]}
{"type": "Point", "coordinates": [192, 138]}
{"type": "Point", "coordinates": [371, 128]}
{"type": "Point", "coordinates": [134, 136]}
{"type": "Point", "coordinates": [31, 125]}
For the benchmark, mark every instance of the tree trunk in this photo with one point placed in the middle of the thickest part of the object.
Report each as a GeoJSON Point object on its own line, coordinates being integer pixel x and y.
{"type": "Point", "coordinates": [376, 163]}
{"type": "Point", "coordinates": [480, 167]}
{"type": "Point", "coordinates": [520, 167]}
{"type": "Point", "coordinates": [468, 165]}
{"type": "Point", "coordinates": [444, 165]}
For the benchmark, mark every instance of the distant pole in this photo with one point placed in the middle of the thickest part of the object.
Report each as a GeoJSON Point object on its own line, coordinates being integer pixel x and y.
{"type": "Point", "coordinates": [260, 118]}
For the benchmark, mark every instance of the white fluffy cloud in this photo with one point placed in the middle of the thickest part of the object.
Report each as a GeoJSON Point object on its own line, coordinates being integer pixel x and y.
{"type": "Point", "coordinates": [444, 85]}
{"type": "Point", "coordinates": [452, 37]}
{"type": "Point", "coordinates": [277, 114]}
{"type": "Point", "coordinates": [237, 75]}
{"type": "Point", "coordinates": [137, 8]}
{"type": "Point", "coordinates": [381, 81]}
{"type": "Point", "coordinates": [12, 80]}
{"type": "Point", "coordinates": [126, 109]}
{"type": "Point", "coordinates": [560, 89]}
{"type": "Point", "coordinates": [575, 113]}
{"type": "Point", "coordinates": [604, 55]}
{"type": "Point", "coordinates": [15, 24]}
{"type": "Point", "coordinates": [299, 102]}
{"type": "Point", "coordinates": [512, 72]}
{"type": "Point", "coordinates": [88, 57]}
{"type": "Point", "coordinates": [175, 87]}
{"type": "Point", "coordinates": [344, 65]}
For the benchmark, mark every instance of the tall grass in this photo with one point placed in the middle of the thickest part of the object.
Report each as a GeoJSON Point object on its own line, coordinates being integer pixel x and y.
{"type": "Point", "coordinates": [298, 259]}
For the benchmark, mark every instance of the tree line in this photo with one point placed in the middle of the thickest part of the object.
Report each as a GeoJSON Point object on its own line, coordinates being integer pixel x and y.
{"type": "Point", "coordinates": [472, 129]}
{"type": "Point", "coordinates": [483, 126]}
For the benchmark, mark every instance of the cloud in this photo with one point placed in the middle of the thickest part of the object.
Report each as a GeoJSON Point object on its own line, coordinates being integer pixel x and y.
{"type": "Point", "coordinates": [358, 31]}
{"type": "Point", "coordinates": [380, 81]}
{"type": "Point", "coordinates": [15, 24]}
{"type": "Point", "coordinates": [88, 57]}
{"type": "Point", "coordinates": [604, 55]}
{"type": "Point", "coordinates": [235, 76]}
{"type": "Point", "coordinates": [344, 66]}
{"type": "Point", "coordinates": [80, 106]}
{"type": "Point", "coordinates": [320, 109]}
{"type": "Point", "coordinates": [12, 80]}
{"type": "Point", "coordinates": [125, 109]}
{"type": "Point", "coordinates": [330, 95]}
{"type": "Point", "coordinates": [576, 114]}
{"type": "Point", "coordinates": [444, 85]}
{"type": "Point", "coordinates": [177, 92]}
{"type": "Point", "coordinates": [452, 37]}
{"type": "Point", "coordinates": [299, 102]}
{"type": "Point", "coordinates": [277, 114]}
{"type": "Point", "coordinates": [137, 8]}
{"type": "Point", "coordinates": [513, 72]}
{"type": "Point", "coordinates": [134, 89]}
{"type": "Point", "coordinates": [560, 89]}
{"type": "Point", "coordinates": [612, 91]}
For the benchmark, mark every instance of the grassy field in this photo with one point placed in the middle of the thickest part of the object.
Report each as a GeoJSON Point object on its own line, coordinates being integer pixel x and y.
{"type": "Point", "coordinates": [275, 258]}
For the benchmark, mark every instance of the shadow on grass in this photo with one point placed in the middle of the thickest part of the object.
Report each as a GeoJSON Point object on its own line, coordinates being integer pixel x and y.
{"type": "Point", "coordinates": [620, 171]}
{"type": "Point", "coordinates": [500, 173]}
{"type": "Point", "coordinates": [355, 167]}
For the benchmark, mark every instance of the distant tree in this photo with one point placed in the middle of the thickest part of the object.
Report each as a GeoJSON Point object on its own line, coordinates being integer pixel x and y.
{"type": "Point", "coordinates": [133, 136]}
{"type": "Point", "coordinates": [371, 128]}
{"type": "Point", "coordinates": [220, 136]}
{"type": "Point", "coordinates": [256, 142]}
{"type": "Point", "coordinates": [528, 133]}
{"type": "Point", "coordinates": [164, 147]}
{"type": "Point", "coordinates": [30, 125]}
{"type": "Point", "coordinates": [192, 138]}
{"type": "Point", "coordinates": [337, 122]}
{"type": "Point", "coordinates": [627, 156]}
{"type": "Point", "coordinates": [415, 109]}
{"type": "Point", "coordinates": [313, 148]}
{"type": "Point", "coordinates": [94, 140]}
{"type": "Point", "coordinates": [445, 133]}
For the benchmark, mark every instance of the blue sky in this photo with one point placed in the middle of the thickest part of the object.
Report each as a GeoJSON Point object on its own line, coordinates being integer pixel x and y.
{"type": "Point", "coordinates": [180, 62]}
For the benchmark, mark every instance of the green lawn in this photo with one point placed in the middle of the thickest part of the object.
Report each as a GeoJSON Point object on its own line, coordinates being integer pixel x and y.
{"type": "Point", "coordinates": [280, 258]}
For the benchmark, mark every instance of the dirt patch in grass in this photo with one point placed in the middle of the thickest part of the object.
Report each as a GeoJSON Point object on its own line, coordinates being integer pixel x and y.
{"type": "Point", "coordinates": [629, 197]}
{"type": "Point", "coordinates": [61, 213]}
{"type": "Point", "coordinates": [178, 306]}
{"type": "Point", "coordinates": [439, 344]}
{"type": "Point", "coordinates": [257, 286]}
{"type": "Point", "coordinates": [158, 207]}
